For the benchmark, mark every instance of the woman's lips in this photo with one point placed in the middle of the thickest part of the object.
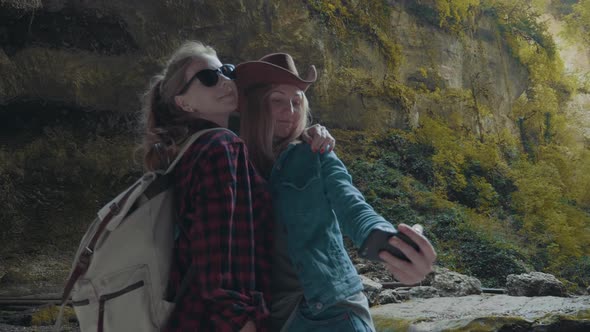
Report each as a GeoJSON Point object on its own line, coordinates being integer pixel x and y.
{"type": "Point", "coordinates": [228, 95]}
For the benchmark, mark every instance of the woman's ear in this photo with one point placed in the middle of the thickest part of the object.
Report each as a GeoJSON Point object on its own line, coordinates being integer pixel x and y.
{"type": "Point", "coordinates": [181, 103]}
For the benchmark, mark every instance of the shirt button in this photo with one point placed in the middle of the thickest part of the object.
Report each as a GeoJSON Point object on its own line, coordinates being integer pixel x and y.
{"type": "Point", "coordinates": [318, 306]}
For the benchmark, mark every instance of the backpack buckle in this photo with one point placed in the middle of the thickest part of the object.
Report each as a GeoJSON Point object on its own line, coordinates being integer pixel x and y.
{"type": "Point", "coordinates": [115, 208]}
{"type": "Point", "coordinates": [84, 259]}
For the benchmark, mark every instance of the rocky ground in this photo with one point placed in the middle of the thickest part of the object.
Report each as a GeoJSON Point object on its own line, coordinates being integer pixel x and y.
{"type": "Point", "coordinates": [444, 301]}
{"type": "Point", "coordinates": [486, 313]}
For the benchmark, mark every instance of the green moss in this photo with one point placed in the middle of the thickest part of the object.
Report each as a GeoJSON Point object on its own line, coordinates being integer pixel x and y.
{"type": "Point", "coordinates": [492, 323]}
{"type": "Point", "coordinates": [369, 19]}
{"type": "Point", "coordinates": [387, 324]}
{"type": "Point", "coordinates": [392, 96]}
{"type": "Point", "coordinates": [550, 319]}
{"type": "Point", "coordinates": [75, 78]}
{"type": "Point", "coordinates": [54, 184]}
{"type": "Point", "coordinates": [483, 324]}
{"type": "Point", "coordinates": [48, 315]}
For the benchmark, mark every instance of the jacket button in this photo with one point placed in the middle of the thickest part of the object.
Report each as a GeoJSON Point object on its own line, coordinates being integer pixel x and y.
{"type": "Point", "coordinates": [318, 306]}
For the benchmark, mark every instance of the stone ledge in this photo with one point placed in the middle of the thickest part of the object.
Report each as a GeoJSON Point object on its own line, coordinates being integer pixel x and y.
{"type": "Point", "coordinates": [485, 313]}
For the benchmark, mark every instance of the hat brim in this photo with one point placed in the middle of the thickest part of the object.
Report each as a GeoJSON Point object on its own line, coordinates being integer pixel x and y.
{"type": "Point", "coordinates": [261, 72]}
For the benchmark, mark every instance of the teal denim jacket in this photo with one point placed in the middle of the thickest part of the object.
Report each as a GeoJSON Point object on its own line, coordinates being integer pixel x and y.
{"type": "Point", "coordinates": [315, 203]}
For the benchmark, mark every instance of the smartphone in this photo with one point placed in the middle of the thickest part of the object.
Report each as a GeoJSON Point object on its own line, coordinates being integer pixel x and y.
{"type": "Point", "coordinates": [378, 240]}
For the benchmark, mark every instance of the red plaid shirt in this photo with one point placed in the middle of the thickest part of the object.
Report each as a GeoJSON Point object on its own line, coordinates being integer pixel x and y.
{"type": "Point", "coordinates": [226, 211]}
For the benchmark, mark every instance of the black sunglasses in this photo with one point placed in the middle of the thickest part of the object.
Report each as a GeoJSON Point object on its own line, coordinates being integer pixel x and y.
{"type": "Point", "coordinates": [210, 77]}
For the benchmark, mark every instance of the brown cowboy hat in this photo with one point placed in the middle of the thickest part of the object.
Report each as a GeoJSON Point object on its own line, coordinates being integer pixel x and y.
{"type": "Point", "coordinates": [275, 68]}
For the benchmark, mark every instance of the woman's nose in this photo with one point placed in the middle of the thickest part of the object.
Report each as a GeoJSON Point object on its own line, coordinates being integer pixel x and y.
{"type": "Point", "coordinates": [226, 83]}
{"type": "Point", "coordinates": [289, 107]}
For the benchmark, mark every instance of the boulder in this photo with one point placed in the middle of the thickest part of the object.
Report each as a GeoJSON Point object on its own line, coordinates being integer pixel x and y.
{"type": "Point", "coordinates": [534, 284]}
{"type": "Point", "coordinates": [423, 292]}
{"type": "Point", "coordinates": [371, 289]}
{"type": "Point", "coordinates": [451, 283]}
{"type": "Point", "coordinates": [387, 296]}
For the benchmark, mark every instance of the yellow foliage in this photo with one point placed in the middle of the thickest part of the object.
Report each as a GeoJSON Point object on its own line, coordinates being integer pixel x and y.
{"type": "Point", "coordinates": [368, 17]}
{"type": "Point", "coordinates": [487, 196]}
{"type": "Point", "coordinates": [452, 152]}
{"type": "Point", "coordinates": [549, 220]}
{"type": "Point", "coordinates": [454, 14]}
{"type": "Point", "coordinates": [579, 190]}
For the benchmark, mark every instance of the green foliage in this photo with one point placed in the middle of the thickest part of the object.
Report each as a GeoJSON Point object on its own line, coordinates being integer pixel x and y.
{"type": "Point", "coordinates": [577, 270]}
{"type": "Point", "coordinates": [562, 8]}
{"type": "Point", "coordinates": [457, 15]}
{"type": "Point", "coordinates": [369, 18]}
{"type": "Point", "coordinates": [386, 168]}
{"type": "Point", "coordinates": [415, 159]}
{"type": "Point", "coordinates": [58, 181]}
{"type": "Point", "coordinates": [578, 20]}
{"type": "Point", "coordinates": [520, 22]}
{"type": "Point", "coordinates": [488, 211]}
{"type": "Point", "coordinates": [540, 111]}
{"type": "Point", "coordinates": [464, 168]}
{"type": "Point", "coordinates": [557, 227]}
{"type": "Point", "coordinates": [394, 96]}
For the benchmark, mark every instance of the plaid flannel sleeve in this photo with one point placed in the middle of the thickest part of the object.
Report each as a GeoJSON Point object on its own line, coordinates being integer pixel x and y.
{"type": "Point", "coordinates": [224, 246]}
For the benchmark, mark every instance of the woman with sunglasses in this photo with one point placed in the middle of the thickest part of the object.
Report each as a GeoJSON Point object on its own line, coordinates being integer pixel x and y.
{"type": "Point", "coordinates": [314, 285]}
{"type": "Point", "coordinates": [225, 223]}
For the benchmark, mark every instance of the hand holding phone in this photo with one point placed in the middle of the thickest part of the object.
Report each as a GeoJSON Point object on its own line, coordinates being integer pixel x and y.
{"type": "Point", "coordinates": [378, 240]}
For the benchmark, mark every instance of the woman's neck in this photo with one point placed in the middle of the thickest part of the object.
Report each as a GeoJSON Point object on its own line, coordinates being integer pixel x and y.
{"type": "Point", "coordinates": [220, 119]}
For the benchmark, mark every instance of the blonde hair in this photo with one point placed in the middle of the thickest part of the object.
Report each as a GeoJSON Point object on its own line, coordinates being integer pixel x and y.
{"type": "Point", "coordinates": [256, 127]}
{"type": "Point", "coordinates": [165, 124]}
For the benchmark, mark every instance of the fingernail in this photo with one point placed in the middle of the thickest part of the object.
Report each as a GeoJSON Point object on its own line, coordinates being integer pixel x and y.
{"type": "Point", "coordinates": [418, 228]}
{"type": "Point", "coordinates": [322, 151]}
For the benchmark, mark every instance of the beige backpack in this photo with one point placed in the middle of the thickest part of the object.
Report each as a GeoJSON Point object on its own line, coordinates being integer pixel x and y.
{"type": "Point", "coordinates": [120, 273]}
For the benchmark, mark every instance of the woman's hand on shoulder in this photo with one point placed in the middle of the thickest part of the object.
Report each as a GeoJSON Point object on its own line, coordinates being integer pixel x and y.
{"type": "Point", "coordinates": [319, 138]}
{"type": "Point", "coordinates": [421, 263]}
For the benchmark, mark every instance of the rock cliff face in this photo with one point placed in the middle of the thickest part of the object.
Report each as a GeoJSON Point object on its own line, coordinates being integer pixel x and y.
{"type": "Point", "coordinates": [71, 73]}
{"type": "Point", "coordinates": [99, 55]}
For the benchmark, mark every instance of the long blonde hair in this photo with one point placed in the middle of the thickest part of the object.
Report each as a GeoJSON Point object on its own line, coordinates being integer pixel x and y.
{"type": "Point", "coordinates": [256, 127]}
{"type": "Point", "coordinates": [165, 124]}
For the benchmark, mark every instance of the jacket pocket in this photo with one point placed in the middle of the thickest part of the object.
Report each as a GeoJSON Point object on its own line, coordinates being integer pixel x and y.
{"type": "Point", "coordinates": [122, 303]}
{"type": "Point", "coordinates": [300, 195]}
{"type": "Point", "coordinates": [300, 181]}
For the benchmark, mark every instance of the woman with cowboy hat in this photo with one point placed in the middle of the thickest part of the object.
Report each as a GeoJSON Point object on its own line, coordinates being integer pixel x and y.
{"type": "Point", "coordinates": [223, 204]}
{"type": "Point", "coordinates": [314, 285]}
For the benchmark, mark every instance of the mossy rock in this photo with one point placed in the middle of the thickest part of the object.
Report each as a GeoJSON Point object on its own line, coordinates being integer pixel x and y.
{"type": "Point", "coordinates": [385, 324]}
{"type": "Point", "coordinates": [48, 315]}
{"type": "Point", "coordinates": [485, 313]}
